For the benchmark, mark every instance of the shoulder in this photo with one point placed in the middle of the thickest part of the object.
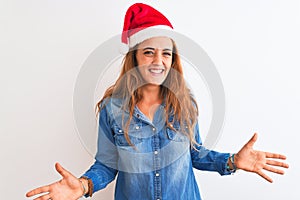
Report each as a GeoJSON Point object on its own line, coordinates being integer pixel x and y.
{"type": "Point", "coordinates": [110, 103]}
{"type": "Point", "coordinates": [111, 107]}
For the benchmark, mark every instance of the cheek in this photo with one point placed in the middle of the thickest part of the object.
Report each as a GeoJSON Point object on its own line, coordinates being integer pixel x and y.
{"type": "Point", "coordinates": [168, 70]}
{"type": "Point", "coordinates": [168, 61]}
{"type": "Point", "coordinates": [142, 60]}
{"type": "Point", "coordinates": [167, 65]}
{"type": "Point", "coordinates": [142, 68]}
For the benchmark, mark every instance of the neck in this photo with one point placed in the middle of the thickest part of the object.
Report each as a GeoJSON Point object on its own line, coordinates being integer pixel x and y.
{"type": "Point", "coordinates": [150, 101]}
{"type": "Point", "coordinates": [151, 94]}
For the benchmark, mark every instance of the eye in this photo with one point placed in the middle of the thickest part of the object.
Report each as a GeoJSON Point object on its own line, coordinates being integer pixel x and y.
{"type": "Point", "coordinates": [148, 53]}
{"type": "Point", "coordinates": [167, 54]}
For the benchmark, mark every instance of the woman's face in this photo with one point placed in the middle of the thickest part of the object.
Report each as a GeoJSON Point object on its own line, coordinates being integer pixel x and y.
{"type": "Point", "coordinates": [154, 59]}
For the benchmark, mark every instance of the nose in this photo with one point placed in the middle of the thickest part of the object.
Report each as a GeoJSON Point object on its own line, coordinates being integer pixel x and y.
{"type": "Point", "coordinates": [157, 59]}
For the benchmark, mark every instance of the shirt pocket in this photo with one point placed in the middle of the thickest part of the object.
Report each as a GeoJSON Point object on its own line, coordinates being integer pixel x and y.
{"type": "Point", "coordinates": [176, 135]}
{"type": "Point", "coordinates": [133, 133]}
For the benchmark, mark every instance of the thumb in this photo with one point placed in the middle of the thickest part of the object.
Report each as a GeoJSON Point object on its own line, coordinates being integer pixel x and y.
{"type": "Point", "coordinates": [63, 172]}
{"type": "Point", "coordinates": [251, 142]}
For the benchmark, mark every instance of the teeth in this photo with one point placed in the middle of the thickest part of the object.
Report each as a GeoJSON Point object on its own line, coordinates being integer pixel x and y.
{"type": "Point", "coordinates": [156, 71]}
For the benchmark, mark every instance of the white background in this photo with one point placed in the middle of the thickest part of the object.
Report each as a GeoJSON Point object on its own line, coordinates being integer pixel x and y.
{"type": "Point", "coordinates": [43, 44]}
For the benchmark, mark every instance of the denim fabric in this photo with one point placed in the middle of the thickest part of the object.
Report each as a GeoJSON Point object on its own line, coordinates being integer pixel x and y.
{"type": "Point", "coordinates": [159, 165]}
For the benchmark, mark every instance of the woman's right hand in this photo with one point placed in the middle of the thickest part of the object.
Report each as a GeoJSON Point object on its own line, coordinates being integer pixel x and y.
{"type": "Point", "coordinates": [68, 188]}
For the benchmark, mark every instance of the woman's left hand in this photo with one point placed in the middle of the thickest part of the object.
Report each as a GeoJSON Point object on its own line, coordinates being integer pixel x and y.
{"type": "Point", "coordinates": [255, 161]}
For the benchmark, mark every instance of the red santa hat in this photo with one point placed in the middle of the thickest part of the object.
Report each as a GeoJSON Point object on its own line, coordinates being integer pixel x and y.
{"type": "Point", "coordinates": [143, 22]}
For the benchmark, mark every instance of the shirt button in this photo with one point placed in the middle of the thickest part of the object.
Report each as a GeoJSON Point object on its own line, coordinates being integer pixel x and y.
{"type": "Point", "coordinates": [157, 174]}
{"type": "Point", "coordinates": [153, 129]}
{"type": "Point", "coordinates": [120, 131]}
{"type": "Point", "coordinates": [155, 152]}
{"type": "Point", "coordinates": [137, 127]}
{"type": "Point", "coordinates": [157, 199]}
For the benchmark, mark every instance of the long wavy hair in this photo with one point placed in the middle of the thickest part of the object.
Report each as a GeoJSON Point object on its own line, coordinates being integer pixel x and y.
{"type": "Point", "coordinates": [178, 99]}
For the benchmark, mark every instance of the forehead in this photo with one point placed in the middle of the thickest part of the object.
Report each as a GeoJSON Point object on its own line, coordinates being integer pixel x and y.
{"type": "Point", "coordinates": [157, 43]}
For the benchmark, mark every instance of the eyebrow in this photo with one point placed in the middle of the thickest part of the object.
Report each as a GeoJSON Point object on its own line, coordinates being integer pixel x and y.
{"type": "Point", "coordinates": [151, 48]}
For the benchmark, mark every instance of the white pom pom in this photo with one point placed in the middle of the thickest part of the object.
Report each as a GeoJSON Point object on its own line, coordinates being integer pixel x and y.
{"type": "Point", "coordinates": [124, 48]}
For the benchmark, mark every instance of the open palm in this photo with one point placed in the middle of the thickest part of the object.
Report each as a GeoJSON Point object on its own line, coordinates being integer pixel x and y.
{"type": "Point", "coordinates": [69, 187]}
{"type": "Point", "coordinates": [255, 161]}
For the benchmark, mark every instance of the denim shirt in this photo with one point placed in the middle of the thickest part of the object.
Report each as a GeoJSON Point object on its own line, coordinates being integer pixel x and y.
{"type": "Point", "coordinates": [158, 166]}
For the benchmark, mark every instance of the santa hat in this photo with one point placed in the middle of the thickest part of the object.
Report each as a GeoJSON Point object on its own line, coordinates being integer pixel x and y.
{"type": "Point", "coordinates": [143, 22]}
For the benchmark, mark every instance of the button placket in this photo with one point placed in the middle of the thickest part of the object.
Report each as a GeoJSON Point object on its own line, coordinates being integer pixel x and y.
{"type": "Point", "coordinates": [157, 178]}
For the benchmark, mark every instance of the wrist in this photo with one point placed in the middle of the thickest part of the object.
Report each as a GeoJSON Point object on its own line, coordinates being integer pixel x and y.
{"type": "Point", "coordinates": [84, 186]}
{"type": "Point", "coordinates": [231, 166]}
{"type": "Point", "coordinates": [236, 161]}
{"type": "Point", "coordinates": [89, 186]}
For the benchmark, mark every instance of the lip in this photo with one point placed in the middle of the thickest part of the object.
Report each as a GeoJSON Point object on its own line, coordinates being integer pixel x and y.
{"type": "Point", "coordinates": [156, 71]}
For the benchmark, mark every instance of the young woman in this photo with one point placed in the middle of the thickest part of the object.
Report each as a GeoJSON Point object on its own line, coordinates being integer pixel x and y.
{"type": "Point", "coordinates": [148, 129]}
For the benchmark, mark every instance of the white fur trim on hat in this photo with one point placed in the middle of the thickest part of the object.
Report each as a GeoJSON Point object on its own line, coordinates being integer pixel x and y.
{"type": "Point", "coordinates": [150, 32]}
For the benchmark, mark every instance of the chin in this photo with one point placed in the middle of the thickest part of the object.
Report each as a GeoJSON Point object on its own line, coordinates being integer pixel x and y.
{"type": "Point", "coordinates": [156, 82]}
{"type": "Point", "coordinates": [153, 84]}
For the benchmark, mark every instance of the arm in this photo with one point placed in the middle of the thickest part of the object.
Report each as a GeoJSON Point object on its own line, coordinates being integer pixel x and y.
{"type": "Point", "coordinates": [205, 159]}
{"type": "Point", "coordinates": [246, 159]}
{"type": "Point", "coordinates": [102, 172]}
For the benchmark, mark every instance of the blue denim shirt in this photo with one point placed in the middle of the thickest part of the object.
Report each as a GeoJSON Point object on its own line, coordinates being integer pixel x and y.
{"type": "Point", "coordinates": [160, 164]}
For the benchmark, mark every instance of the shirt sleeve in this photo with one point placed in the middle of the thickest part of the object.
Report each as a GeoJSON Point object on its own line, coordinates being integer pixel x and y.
{"type": "Point", "coordinates": [208, 160]}
{"type": "Point", "coordinates": [104, 170]}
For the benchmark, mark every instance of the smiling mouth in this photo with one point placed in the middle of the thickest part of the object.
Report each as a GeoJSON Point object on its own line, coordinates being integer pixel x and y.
{"type": "Point", "coordinates": [156, 71]}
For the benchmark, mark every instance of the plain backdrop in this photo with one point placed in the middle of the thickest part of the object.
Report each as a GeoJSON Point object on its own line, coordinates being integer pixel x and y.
{"type": "Point", "coordinates": [254, 44]}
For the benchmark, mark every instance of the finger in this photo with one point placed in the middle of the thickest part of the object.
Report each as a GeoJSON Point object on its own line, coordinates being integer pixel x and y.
{"type": "Point", "coordinates": [44, 197]}
{"type": "Point", "coordinates": [274, 170]}
{"type": "Point", "coordinates": [251, 142]}
{"type": "Point", "coordinates": [62, 171]}
{"type": "Point", "coordinates": [275, 155]}
{"type": "Point", "coordinates": [277, 163]}
{"type": "Point", "coordinates": [38, 191]}
{"type": "Point", "coordinates": [263, 175]}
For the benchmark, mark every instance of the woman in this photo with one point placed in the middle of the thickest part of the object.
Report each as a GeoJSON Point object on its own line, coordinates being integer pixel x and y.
{"type": "Point", "coordinates": [148, 130]}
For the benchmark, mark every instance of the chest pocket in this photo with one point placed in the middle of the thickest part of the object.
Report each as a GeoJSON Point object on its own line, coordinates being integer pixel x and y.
{"type": "Point", "coordinates": [134, 133]}
{"type": "Point", "coordinates": [176, 135]}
